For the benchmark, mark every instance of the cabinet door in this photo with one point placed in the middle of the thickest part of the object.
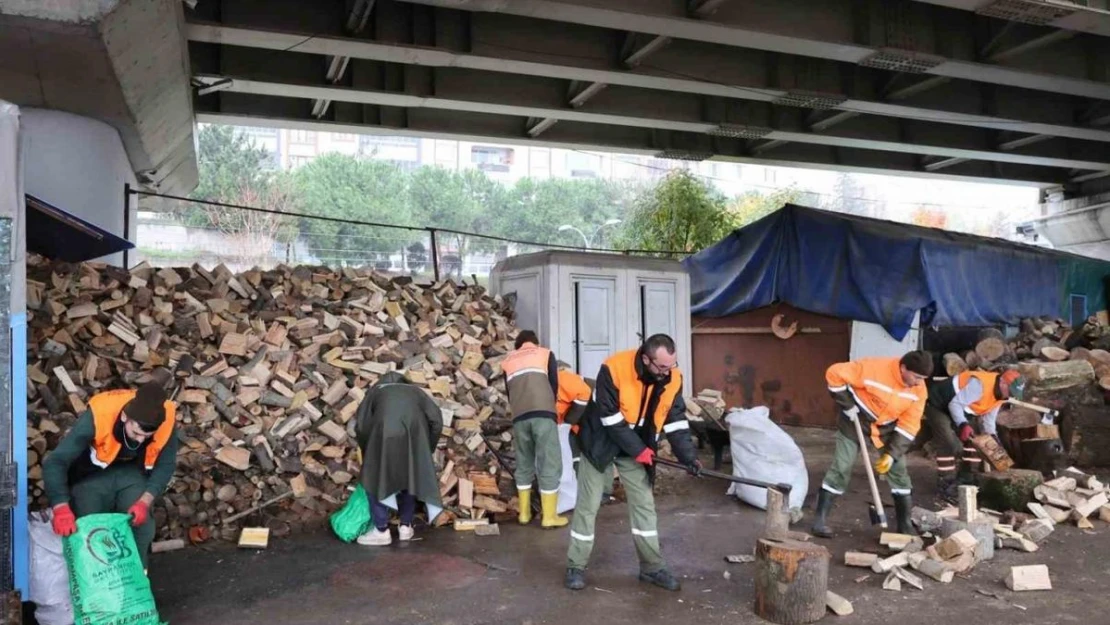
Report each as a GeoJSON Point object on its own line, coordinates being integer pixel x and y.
{"type": "Point", "coordinates": [657, 308]}
{"type": "Point", "coordinates": [594, 323]}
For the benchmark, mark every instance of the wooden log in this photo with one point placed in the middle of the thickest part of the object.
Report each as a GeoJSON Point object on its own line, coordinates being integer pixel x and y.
{"type": "Point", "coordinates": [953, 364]}
{"type": "Point", "coordinates": [1055, 354]}
{"type": "Point", "coordinates": [791, 581]}
{"type": "Point", "coordinates": [839, 605]}
{"type": "Point", "coordinates": [990, 348]}
{"type": "Point", "coordinates": [860, 559]}
{"type": "Point", "coordinates": [1055, 376]}
{"type": "Point", "coordinates": [1009, 490]}
{"type": "Point", "coordinates": [992, 452]}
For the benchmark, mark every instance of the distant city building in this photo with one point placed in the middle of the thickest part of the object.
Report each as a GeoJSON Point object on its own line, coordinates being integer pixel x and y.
{"type": "Point", "coordinates": [506, 163]}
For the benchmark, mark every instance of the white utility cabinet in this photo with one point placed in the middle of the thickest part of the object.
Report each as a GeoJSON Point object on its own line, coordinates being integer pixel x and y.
{"type": "Point", "coordinates": [586, 306]}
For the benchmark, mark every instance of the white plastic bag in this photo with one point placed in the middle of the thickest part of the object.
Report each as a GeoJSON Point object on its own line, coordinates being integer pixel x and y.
{"type": "Point", "coordinates": [49, 576]}
{"type": "Point", "coordinates": [568, 483]}
{"type": "Point", "coordinates": [762, 451]}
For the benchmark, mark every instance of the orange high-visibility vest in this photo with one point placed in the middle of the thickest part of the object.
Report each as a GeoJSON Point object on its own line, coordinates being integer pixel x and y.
{"type": "Point", "coordinates": [572, 390]}
{"type": "Point", "coordinates": [876, 384]}
{"type": "Point", "coordinates": [987, 402]}
{"type": "Point", "coordinates": [106, 408]}
{"type": "Point", "coordinates": [630, 389]}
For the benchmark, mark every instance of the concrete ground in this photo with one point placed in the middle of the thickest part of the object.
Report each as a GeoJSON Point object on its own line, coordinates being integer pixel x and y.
{"type": "Point", "coordinates": [450, 578]}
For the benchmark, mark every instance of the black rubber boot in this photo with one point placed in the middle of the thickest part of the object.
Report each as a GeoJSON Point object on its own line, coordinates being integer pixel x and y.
{"type": "Point", "coordinates": [661, 578]}
{"type": "Point", "coordinates": [903, 504]}
{"type": "Point", "coordinates": [946, 489]}
{"type": "Point", "coordinates": [575, 579]}
{"type": "Point", "coordinates": [824, 504]}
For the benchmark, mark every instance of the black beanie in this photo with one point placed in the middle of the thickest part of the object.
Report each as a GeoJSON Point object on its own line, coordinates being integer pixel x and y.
{"type": "Point", "coordinates": [147, 408]}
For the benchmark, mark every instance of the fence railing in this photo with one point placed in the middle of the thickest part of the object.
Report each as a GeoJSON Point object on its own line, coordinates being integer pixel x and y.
{"type": "Point", "coordinates": [179, 230]}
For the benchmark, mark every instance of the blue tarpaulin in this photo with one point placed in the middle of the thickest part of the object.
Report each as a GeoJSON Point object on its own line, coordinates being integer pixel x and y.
{"type": "Point", "coordinates": [882, 272]}
{"type": "Point", "coordinates": [54, 233]}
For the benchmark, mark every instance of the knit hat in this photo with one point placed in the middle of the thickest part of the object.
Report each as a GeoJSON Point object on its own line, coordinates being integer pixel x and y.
{"type": "Point", "coordinates": [148, 407]}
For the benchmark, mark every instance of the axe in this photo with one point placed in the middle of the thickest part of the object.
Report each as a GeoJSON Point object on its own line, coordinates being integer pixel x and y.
{"type": "Point", "coordinates": [875, 508]}
{"type": "Point", "coordinates": [1048, 415]}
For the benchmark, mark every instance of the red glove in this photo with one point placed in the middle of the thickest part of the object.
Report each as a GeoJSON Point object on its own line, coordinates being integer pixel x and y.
{"type": "Point", "coordinates": [65, 523]}
{"type": "Point", "coordinates": [965, 432]}
{"type": "Point", "coordinates": [646, 456]}
{"type": "Point", "coordinates": [139, 512]}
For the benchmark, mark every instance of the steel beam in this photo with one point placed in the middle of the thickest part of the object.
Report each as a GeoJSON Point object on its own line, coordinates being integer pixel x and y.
{"type": "Point", "coordinates": [450, 131]}
{"type": "Point", "coordinates": [749, 36]}
{"type": "Point", "coordinates": [337, 65]}
{"type": "Point", "coordinates": [1068, 15]}
{"type": "Point", "coordinates": [473, 103]}
{"type": "Point", "coordinates": [646, 79]}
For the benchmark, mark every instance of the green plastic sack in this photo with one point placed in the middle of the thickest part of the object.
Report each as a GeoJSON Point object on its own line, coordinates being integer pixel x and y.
{"type": "Point", "coordinates": [354, 518]}
{"type": "Point", "coordinates": [106, 578]}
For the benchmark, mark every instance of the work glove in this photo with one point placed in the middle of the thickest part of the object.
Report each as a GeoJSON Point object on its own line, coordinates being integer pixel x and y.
{"type": "Point", "coordinates": [65, 523]}
{"type": "Point", "coordinates": [966, 432]}
{"type": "Point", "coordinates": [139, 512]}
{"type": "Point", "coordinates": [646, 457]}
{"type": "Point", "coordinates": [694, 468]}
{"type": "Point", "coordinates": [883, 464]}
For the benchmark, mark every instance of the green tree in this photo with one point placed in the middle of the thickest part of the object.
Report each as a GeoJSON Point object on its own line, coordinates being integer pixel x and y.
{"type": "Point", "coordinates": [346, 187]}
{"type": "Point", "coordinates": [752, 206]}
{"type": "Point", "coordinates": [681, 213]}
{"type": "Point", "coordinates": [541, 207]}
{"type": "Point", "coordinates": [228, 161]}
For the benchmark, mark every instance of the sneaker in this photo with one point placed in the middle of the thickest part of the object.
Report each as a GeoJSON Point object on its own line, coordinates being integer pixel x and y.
{"type": "Point", "coordinates": [575, 579]}
{"type": "Point", "coordinates": [404, 532]}
{"type": "Point", "coordinates": [375, 538]}
{"type": "Point", "coordinates": [661, 578]}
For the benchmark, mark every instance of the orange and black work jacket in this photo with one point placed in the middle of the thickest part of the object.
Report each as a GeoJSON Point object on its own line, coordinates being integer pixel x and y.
{"type": "Point", "coordinates": [574, 395]}
{"type": "Point", "coordinates": [531, 381]}
{"type": "Point", "coordinates": [97, 441]}
{"type": "Point", "coordinates": [630, 410]}
{"type": "Point", "coordinates": [971, 393]}
{"type": "Point", "coordinates": [890, 409]}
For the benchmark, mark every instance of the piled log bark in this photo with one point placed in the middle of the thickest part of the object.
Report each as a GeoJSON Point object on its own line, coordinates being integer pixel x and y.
{"type": "Point", "coordinates": [268, 369]}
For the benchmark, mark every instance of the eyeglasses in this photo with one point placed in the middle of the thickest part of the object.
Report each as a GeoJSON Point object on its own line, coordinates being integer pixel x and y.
{"type": "Point", "coordinates": [661, 368]}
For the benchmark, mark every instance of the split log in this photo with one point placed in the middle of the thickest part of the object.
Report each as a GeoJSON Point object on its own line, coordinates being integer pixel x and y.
{"type": "Point", "coordinates": [1055, 354]}
{"type": "Point", "coordinates": [791, 581]}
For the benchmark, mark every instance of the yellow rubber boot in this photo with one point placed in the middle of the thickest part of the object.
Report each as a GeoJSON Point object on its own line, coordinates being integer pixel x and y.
{"type": "Point", "coordinates": [547, 505]}
{"type": "Point", "coordinates": [525, 505]}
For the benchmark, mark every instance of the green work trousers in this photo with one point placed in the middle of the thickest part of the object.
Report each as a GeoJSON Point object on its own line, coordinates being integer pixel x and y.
{"type": "Point", "coordinates": [844, 459]}
{"type": "Point", "coordinates": [537, 451]}
{"type": "Point", "coordinates": [641, 513]}
{"type": "Point", "coordinates": [115, 489]}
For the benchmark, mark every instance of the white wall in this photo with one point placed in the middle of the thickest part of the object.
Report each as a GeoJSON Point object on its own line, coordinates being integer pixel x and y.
{"type": "Point", "coordinates": [79, 165]}
{"type": "Point", "coordinates": [871, 340]}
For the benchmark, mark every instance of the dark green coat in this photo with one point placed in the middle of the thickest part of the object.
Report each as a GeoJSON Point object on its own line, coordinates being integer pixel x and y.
{"type": "Point", "coordinates": [398, 427]}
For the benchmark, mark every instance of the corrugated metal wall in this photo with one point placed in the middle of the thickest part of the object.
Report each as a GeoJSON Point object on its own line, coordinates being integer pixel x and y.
{"type": "Point", "coordinates": [739, 356]}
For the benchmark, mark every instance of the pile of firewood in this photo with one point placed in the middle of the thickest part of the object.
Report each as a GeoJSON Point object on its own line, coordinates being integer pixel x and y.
{"type": "Point", "coordinates": [1067, 370]}
{"type": "Point", "coordinates": [267, 369]}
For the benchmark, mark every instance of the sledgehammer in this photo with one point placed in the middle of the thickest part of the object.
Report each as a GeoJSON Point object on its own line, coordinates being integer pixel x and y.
{"type": "Point", "coordinates": [782, 488]}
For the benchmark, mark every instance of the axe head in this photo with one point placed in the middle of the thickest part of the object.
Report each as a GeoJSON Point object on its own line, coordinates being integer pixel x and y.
{"type": "Point", "coordinates": [878, 516]}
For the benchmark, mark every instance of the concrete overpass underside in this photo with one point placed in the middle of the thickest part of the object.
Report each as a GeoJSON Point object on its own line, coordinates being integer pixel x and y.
{"type": "Point", "coordinates": [1002, 90]}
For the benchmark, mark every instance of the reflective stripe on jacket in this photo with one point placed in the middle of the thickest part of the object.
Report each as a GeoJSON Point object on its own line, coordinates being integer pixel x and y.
{"type": "Point", "coordinates": [528, 381]}
{"type": "Point", "coordinates": [876, 385]}
{"type": "Point", "coordinates": [574, 396]}
{"type": "Point", "coordinates": [106, 408]}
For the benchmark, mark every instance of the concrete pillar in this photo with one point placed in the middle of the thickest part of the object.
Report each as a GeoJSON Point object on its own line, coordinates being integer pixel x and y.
{"type": "Point", "coordinates": [79, 165]}
{"type": "Point", "coordinates": [12, 210]}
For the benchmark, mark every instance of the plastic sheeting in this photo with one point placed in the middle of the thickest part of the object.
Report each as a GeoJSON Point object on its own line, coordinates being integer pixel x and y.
{"type": "Point", "coordinates": [57, 234]}
{"type": "Point", "coordinates": [882, 272]}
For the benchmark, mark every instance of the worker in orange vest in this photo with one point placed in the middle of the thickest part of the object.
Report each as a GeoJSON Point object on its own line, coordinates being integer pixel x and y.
{"type": "Point", "coordinates": [118, 457]}
{"type": "Point", "coordinates": [532, 384]}
{"type": "Point", "coordinates": [957, 408]}
{"type": "Point", "coordinates": [888, 396]}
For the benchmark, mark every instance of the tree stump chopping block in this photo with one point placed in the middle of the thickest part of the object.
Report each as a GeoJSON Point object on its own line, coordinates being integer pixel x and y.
{"type": "Point", "coordinates": [791, 579]}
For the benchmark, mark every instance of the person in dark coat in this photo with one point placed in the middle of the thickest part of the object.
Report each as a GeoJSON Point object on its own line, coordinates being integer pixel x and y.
{"type": "Point", "coordinates": [397, 428]}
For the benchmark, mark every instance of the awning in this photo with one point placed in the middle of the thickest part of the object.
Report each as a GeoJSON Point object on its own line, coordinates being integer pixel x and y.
{"type": "Point", "coordinates": [54, 233]}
